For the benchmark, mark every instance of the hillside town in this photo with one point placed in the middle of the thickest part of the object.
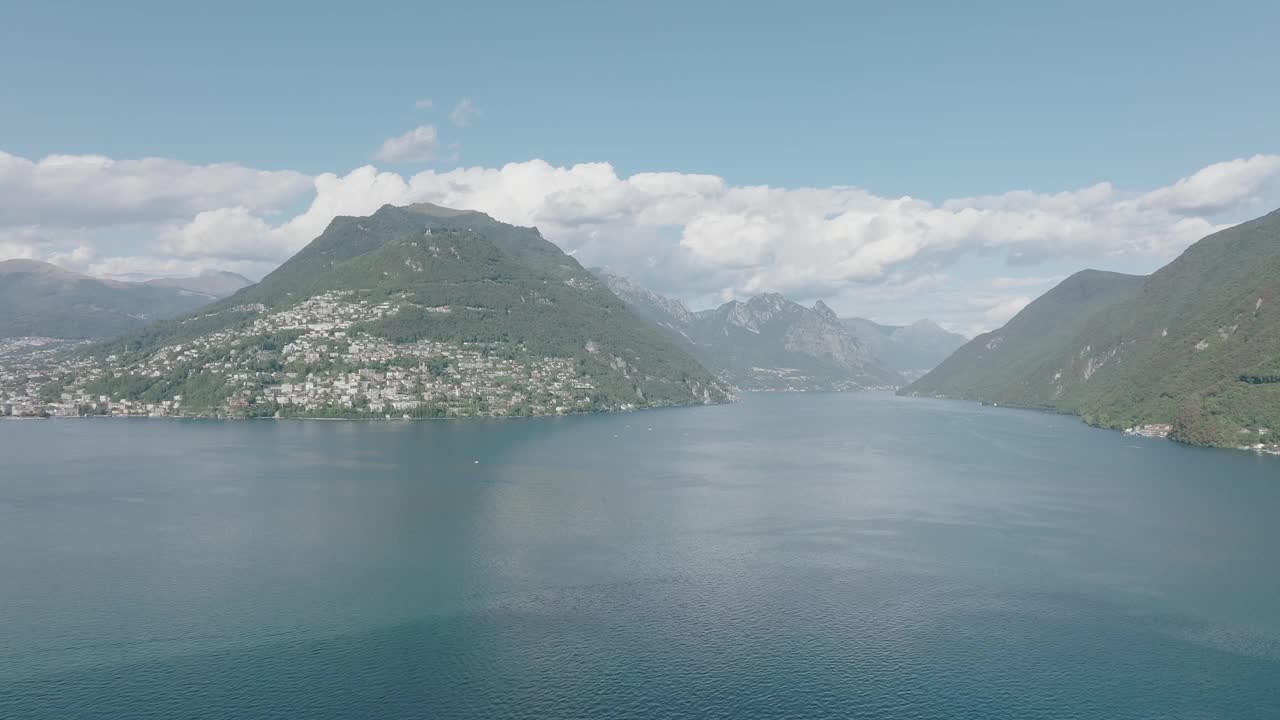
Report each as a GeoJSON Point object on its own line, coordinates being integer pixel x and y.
{"type": "Point", "coordinates": [304, 361]}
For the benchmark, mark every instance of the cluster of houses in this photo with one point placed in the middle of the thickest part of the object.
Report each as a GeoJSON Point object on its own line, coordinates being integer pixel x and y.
{"type": "Point", "coordinates": [445, 379]}
{"type": "Point", "coordinates": [305, 360]}
{"type": "Point", "coordinates": [1154, 430]}
{"type": "Point", "coordinates": [24, 362]}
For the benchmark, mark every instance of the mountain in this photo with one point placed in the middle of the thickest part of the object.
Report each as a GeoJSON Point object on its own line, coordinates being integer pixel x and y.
{"type": "Point", "coordinates": [992, 367]}
{"type": "Point", "coordinates": [215, 283]}
{"type": "Point", "coordinates": [40, 299]}
{"type": "Point", "coordinates": [765, 343]}
{"type": "Point", "coordinates": [911, 349]}
{"type": "Point", "coordinates": [1195, 346]}
{"type": "Point", "coordinates": [670, 315]}
{"type": "Point", "coordinates": [418, 310]}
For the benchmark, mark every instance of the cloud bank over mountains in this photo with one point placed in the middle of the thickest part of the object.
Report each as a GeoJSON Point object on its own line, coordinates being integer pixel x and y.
{"type": "Point", "coordinates": [691, 235]}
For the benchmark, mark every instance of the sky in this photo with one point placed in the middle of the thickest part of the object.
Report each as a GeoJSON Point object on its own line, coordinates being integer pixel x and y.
{"type": "Point", "coordinates": [896, 160]}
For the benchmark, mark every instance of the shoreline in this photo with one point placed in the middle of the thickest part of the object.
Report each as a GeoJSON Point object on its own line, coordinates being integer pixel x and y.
{"type": "Point", "coordinates": [1274, 450]}
{"type": "Point", "coordinates": [362, 419]}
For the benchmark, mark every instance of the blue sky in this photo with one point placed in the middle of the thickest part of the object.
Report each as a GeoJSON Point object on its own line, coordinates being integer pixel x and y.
{"type": "Point", "coordinates": [930, 100]}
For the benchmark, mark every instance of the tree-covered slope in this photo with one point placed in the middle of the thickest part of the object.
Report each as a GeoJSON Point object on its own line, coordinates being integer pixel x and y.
{"type": "Point", "coordinates": [39, 299]}
{"type": "Point", "coordinates": [1193, 345]}
{"type": "Point", "coordinates": [999, 366]}
{"type": "Point", "coordinates": [1176, 352]}
{"type": "Point", "coordinates": [464, 280]}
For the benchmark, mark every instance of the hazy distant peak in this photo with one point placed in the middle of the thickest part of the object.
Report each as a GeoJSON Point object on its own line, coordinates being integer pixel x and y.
{"type": "Point", "coordinates": [23, 265]}
{"type": "Point", "coordinates": [39, 298]}
{"type": "Point", "coordinates": [214, 283]}
{"type": "Point", "coordinates": [224, 274]}
{"type": "Point", "coordinates": [927, 324]}
{"type": "Point", "coordinates": [926, 327]}
{"type": "Point", "coordinates": [910, 349]}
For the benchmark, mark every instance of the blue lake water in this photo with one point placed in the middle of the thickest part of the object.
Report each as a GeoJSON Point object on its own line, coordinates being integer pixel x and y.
{"type": "Point", "coordinates": [790, 556]}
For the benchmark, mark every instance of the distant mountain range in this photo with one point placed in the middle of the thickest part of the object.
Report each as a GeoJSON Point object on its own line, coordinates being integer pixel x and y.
{"type": "Point", "coordinates": [1194, 346]}
{"type": "Point", "coordinates": [40, 299]}
{"type": "Point", "coordinates": [911, 350]}
{"type": "Point", "coordinates": [215, 283]}
{"type": "Point", "coordinates": [420, 310]}
{"type": "Point", "coordinates": [772, 343]}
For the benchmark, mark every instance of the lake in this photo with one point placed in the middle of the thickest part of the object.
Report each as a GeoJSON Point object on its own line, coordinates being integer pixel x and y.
{"type": "Point", "coordinates": [789, 556]}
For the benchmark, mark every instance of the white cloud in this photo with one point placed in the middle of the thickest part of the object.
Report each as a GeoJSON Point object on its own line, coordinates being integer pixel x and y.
{"type": "Point", "coordinates": [464, 112]}
{"type": "Point", "coordinates": [1002, 311]}
{"type": "Point", "coordinates": [229, 233]}
{"type": "Point", "coordinates": [691, 235]}
{"type": "Point", "coordinates": [73, 190]}
{"type": "Point", "coordinates": [64, 246]}
{"type": "Point", "coordinates": [236, 234]}
{"type": "Point", "coordinates": [697, 235]}
{"type": "Point", "coordinates": [417, 145]}
{"type": "Point", "coordinates": [424, 104]}
{"type": "Point", "coordinates": [1215, 188]}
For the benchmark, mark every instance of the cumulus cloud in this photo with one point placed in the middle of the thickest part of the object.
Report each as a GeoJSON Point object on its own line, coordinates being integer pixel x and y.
{"type": "Point", "coordinates": [417, 145]}
{"type": "Point", "coordinates": [692, 235]}
{"type": "Point", "coordinates": [231, 233]}
{"type": "Point", "coordinates": [63, 246]}
{"type": "Point", "coordinates": [464, 112]}
{"type": "Point", "coordinates": [698, 235]}
{"type": "Point", "coordinates": [237, 234]}
{"type": "Point", "coordinates": [1215, 188]}
{"type": "Point", "coordinates": [73, 190]}
{"type": "Point", "coordinates": [1001, 312]}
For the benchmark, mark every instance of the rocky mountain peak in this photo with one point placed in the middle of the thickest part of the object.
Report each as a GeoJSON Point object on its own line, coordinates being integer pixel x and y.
{"type": "Point", "coordinates": [765, 342]}
{"type": "Point", "coordinates": [826, 312]}
{"type": "Point", "coordinates": [774, 301]}
{"type": "Point", "coordinates": [659, 308]}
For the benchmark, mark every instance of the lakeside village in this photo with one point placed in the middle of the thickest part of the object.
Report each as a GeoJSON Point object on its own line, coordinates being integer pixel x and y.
{"type": "Point", "coordinates": [1163, 431]}
{"type": "Point", "coordinates": [305, 361]}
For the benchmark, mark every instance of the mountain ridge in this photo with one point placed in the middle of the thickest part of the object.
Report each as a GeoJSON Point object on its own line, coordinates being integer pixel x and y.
{"type": "Point", "coordinates": [45, 300]}
{"type": "Point", "coordinates": [767, 342]}
{"type": "Point", "coordinates": [1174, 349]}
{"type": "Point", "coordinates": [215, 283]}
{"type": "Point", "coordinates": [912, 349]}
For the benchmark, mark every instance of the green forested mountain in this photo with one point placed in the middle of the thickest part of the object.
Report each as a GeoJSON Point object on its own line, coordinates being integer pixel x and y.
{"type": "Point", "coordinates": [999, 366]}
{"type": "Point", "coordinates": [765, 343]}
{"type": "Point", "coordinates": [39, 299]}
{"type": "Point", "coordinates": [1195, 345]}
{"type": "Point", "coordinates": [428, 288]}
